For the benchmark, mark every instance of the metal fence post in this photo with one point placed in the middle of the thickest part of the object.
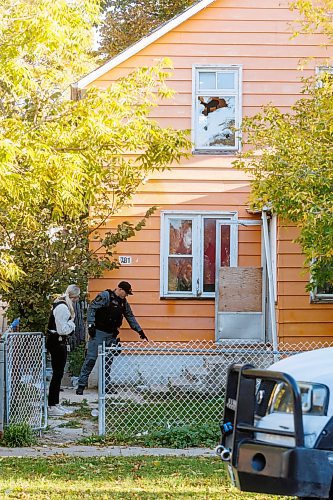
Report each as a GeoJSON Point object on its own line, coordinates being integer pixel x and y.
{"type": "Point", "coordinates": [2, 386]}
{"type": "Point", "coordinates": [101, 389]}
{"type": "Point", "coordinates": [44, 353]}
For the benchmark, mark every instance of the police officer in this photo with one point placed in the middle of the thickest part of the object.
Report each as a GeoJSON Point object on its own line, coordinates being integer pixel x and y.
{"type": "Point", "coordinates": [60, 327]}
{"type": "Point", "coordinates": [105, 317]}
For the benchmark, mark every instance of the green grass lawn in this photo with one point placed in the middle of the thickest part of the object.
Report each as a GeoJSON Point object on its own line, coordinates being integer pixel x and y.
{"type": "Point", "coordinates": [61, 477]}
{"type": "Point", "coordinates": [130, 417]}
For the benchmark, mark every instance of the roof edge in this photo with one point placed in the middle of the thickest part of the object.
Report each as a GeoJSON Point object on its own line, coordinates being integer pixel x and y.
{"type": "Point", "coordinates": [141, 44]}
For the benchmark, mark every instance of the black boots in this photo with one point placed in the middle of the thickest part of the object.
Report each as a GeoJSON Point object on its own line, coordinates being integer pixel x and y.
{"type": "Point", "coordinates": [80, 389]}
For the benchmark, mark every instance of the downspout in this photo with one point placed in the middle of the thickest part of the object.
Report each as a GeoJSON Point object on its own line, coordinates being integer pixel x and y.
{"type": "Point", "coordinates": [271, 297]}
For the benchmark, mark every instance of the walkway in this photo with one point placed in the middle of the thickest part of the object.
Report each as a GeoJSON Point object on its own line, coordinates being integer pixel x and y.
{"type": "Point", "coordinates": [107, 451]}
{"type": "Point", "coordinates": [62, 434]}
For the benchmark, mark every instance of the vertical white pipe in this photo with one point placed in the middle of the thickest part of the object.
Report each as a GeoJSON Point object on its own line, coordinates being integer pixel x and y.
{"type": "Point", "coordinates": [271, 299]}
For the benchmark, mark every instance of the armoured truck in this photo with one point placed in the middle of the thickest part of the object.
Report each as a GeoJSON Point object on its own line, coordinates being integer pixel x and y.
{"type": "Point", "coordinates": [277, 428]}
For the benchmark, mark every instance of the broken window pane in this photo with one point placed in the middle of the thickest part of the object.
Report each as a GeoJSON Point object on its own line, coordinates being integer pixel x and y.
{"type": "Point", "coordinates": [209, 255]}
{"type": "Point", "coordinates": [180, 237]}
{"type": "Point", "coordinates": [215, 121]}
{"type": "Point", "coordinates": [180, 274]}
{"type": "Point", "coordinates": [225, 246]}
{"type": "Point", "coordinates": [209, 266]}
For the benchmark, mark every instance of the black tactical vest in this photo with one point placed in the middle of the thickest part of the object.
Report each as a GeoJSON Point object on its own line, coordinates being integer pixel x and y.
{"type": "Point", "coordinates": [109, 318]}
{"type": "Point", "coordinates": [51, 323]}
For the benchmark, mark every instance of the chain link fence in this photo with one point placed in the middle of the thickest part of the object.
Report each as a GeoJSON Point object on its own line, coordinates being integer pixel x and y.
{"type": "Point", "coordinates": [23, 380]}
{"type": "Point", "coordinates": [148, 387]}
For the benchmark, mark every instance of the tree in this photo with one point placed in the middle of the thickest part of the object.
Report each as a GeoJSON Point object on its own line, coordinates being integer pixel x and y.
{"type": "Point", "coordinates": [127, 21]}
{"type": "Point", "coordinates": [293, 172]}
{"type": "Point", "coordinates": [67, 166]}
{"type": "Point", "coordinates": [291, 159]}
{"type": "Point", "coordinates": [315, 16]}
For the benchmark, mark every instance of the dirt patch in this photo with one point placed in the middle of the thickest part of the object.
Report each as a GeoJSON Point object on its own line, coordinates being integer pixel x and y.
{"type": "Point", "coordinates": [82, 422]}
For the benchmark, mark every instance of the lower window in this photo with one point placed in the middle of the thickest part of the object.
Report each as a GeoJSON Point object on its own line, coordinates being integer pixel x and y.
{"type": "Point", "coordinates": [192, 245]}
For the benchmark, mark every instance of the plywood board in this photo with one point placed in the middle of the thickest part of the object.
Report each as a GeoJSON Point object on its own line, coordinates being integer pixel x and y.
{"type": "Point", "coordinates": [240, 289]}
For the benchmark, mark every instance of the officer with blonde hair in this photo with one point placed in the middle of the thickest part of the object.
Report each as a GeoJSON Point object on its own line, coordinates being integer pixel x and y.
{"type": "Point", "coordinates": [60, 326]}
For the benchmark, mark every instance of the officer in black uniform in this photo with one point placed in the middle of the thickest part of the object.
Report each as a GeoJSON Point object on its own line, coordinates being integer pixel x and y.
{"type": "Point", "coordinates": [105, 317]}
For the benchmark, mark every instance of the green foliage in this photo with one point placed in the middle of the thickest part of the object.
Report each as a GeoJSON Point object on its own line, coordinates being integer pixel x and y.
{"type": "Point", "coordinates": [18, 435]}
{"type": "Point", "coordinates": [293, 173]}
{"type": "Point", "coordinates": [76, 359]}
{"type": "Point", "coordinates": [64, 477]}
{"type": "Point", "coordinates": [72, 424]}
{"type": "Point", "coordinates": [63, 172]}
{"type": "Point", "coordinates": [185, 436]}
{"type": "Point", "coordinates": [315, 16]}
{"type": "Point", "coordinates": [84, 410]}
{"type": "Point", "coordinates": [132, 417]}
{"type": "Point", "coordinates": [127, 21]}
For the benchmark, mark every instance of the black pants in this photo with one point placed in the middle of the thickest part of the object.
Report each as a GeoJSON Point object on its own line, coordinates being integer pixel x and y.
{"type": "Point", "coordinates": [58, 352]}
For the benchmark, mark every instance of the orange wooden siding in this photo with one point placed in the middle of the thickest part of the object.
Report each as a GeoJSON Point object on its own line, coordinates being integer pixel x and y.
{"type": "Point", "coordinates": [255, 35]}
{"type": "Point", "coordinates": [298, 319]}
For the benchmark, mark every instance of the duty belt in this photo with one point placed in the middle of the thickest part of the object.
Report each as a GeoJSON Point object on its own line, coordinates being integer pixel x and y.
{"type": "Point", "coordinates": [61, 338]}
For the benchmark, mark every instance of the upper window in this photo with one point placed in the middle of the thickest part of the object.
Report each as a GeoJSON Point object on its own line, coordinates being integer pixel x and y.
{"type": "Point", "coordinates": [192, 245]}
{"type": "Point", "coordinates": [217, 105]}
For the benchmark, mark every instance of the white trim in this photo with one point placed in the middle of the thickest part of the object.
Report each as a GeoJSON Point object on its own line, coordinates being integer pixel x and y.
{"type": "Point", "coordinates": [271, 297]}
{"type": "Point", "coordinates": [162, 254]}
{"type": "Point", "coordinates": [197, 217]}
{"type": "Point", "coordinates": [200, 212]}
{"type": "Point", "coordinates": [193, 109]}
{"type": "Point", "coordinates": [319, 70]}
{"type": "Point", "coordinates": [320, 298]}
{"type": "Point", "coordinates": [273, 247]}
{"type": "Point", "coordinates": [141, 44]}
{"type": "Point", "coordinates": [236, 93]}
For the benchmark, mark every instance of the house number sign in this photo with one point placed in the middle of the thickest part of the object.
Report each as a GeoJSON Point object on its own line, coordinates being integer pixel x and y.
{"type": "Point", "coordinates": [125, 259]}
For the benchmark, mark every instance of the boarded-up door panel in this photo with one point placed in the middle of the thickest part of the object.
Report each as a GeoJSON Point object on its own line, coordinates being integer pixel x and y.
{"type": "Point", "coordinates": [239, 304]}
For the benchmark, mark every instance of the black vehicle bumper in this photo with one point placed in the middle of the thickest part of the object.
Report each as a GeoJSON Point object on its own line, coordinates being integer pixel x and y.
{"type": "Point", "coordinates": [274, 469]}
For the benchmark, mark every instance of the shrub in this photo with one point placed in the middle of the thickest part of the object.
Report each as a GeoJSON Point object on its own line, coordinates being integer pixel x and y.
{"type": "Point", "coordinates": [17, 435]}
{"type": "Point", "coordinates": [186, 436]}
{"type": "Point", "coordinates": [75, 360]}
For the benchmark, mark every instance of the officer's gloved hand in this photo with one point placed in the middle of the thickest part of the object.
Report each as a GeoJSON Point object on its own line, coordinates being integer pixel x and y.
{"type": "Point", "coordinates": [92, 330]}
{"type": "Point", "coordinates": [142, 335]}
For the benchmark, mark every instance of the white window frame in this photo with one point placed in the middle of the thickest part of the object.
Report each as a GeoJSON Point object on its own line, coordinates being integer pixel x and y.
{"type": "Point", "coordinates": [198, 218]}
{"type": "Point", "coordinates": [320, 70]}
{"type": "Point", "coordinates": [317, 297]}
{"type": "Point", "coordinates": [237, 93]}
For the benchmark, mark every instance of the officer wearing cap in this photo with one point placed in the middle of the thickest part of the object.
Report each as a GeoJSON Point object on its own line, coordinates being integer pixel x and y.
{"type": "Point", "coordinates": [105, 317]}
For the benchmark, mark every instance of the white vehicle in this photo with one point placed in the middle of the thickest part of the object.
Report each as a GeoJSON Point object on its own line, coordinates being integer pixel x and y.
{"type": "Point", "coordinates": [277, 429]}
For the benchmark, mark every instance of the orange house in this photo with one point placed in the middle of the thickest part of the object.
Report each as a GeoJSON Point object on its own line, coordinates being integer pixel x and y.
{"type": "Point", "coordinates": [204, 267]}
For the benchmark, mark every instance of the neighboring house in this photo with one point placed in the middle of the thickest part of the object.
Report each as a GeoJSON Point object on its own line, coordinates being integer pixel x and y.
{"type": "Point", "coordinates": [230, 57]}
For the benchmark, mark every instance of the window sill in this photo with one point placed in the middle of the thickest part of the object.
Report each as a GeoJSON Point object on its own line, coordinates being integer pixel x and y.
{"type": "Point", "coordinates": [169, 297]}
{"type": "Point", "coordinates": [214, 152]}
{"type": "Point", "coordinates": [321, 300]}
